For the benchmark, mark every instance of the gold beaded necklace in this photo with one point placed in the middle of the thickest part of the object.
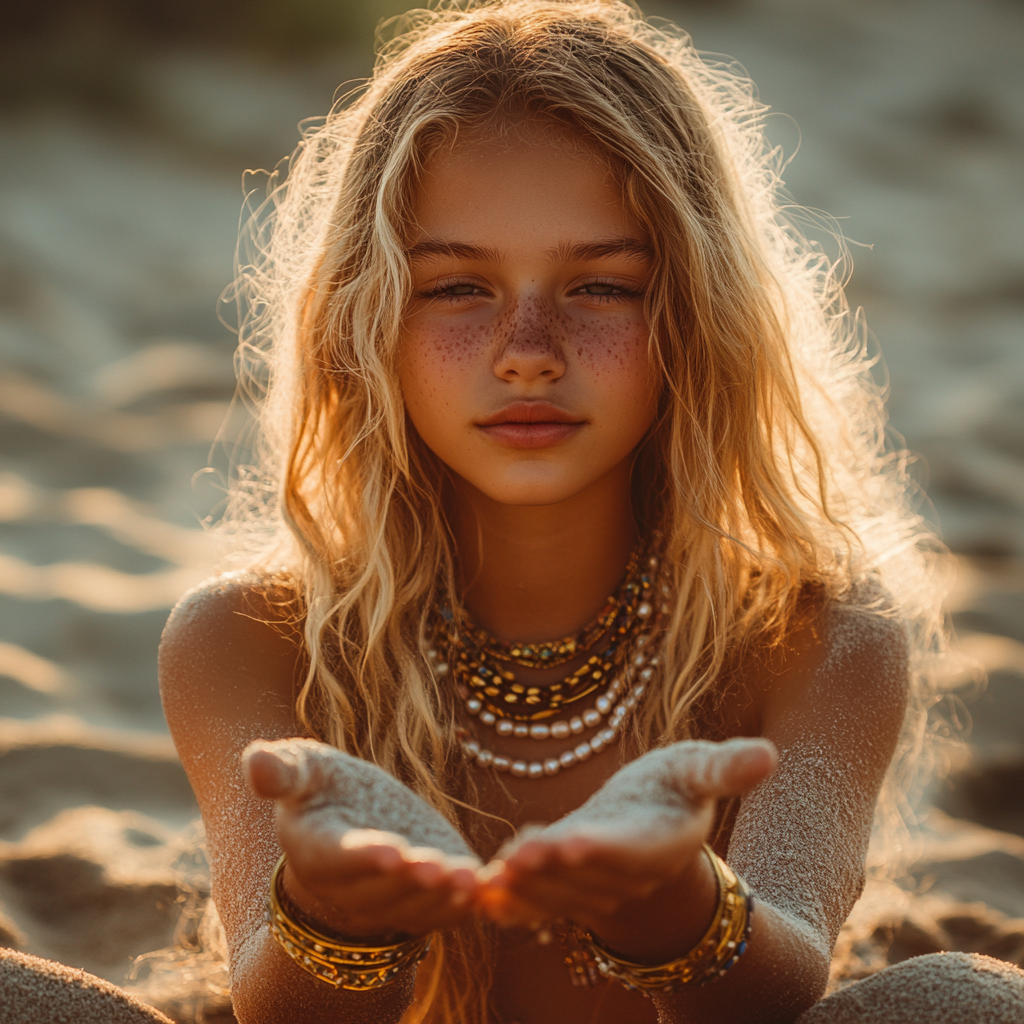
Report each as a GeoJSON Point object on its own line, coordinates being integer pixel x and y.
{"type": "Point", "coordinates": [550, 653]}
{"type": "Point", "coordinates": [478, 669]}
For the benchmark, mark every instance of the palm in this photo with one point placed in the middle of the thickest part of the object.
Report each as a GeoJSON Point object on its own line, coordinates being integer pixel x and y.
{"type": "Point", "coordinates": [335, 793]}
{"type": "Point", "coordinates": [367, 854]}
{"type": "Point", "coordinates": [642, 828]}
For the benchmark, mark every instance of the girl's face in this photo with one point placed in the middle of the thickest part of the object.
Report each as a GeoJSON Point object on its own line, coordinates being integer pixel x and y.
{"type": "Point", "coordinates": [524, 362]}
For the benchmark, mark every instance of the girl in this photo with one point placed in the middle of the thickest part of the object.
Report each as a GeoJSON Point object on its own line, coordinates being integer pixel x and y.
{"type": "Point", "coordinates": [533, 330]}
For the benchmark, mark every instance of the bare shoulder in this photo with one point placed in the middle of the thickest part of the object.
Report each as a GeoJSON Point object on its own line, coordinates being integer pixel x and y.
{"type": "Point", "coordinates": [231, 663]}
{"type": "Point", "coordinates": [236, 605]}
{"type": "Point", "coordinates": [864, 643]}
{"type": "Point", "coordinates": [231, 622]}
{"type": "Point", "coordinates": [834, 703]}
{"type": "Point", "coordinates": [846, 661]}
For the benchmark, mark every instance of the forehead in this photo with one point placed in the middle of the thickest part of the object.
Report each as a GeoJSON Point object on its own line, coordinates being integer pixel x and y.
{"type": "Point", "coordinates": [525, 188]}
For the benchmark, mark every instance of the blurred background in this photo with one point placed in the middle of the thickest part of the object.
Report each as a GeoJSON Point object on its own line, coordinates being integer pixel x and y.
{"type": "Point", "coordinates": [125, 131]}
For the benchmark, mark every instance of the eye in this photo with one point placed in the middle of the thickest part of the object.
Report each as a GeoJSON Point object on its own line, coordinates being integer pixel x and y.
{"type": "Point", "coordinates": [606, 291]}
{"type": "Point", "coordinates": [453, 291]}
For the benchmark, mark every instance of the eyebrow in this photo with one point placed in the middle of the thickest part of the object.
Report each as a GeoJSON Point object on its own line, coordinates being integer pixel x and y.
{"type": "Point", "coordinates": [433, 247]}
{"type": "Point", "coordinates": [570, 252]}
{"type": "Point", "coordinates": [631, 248]}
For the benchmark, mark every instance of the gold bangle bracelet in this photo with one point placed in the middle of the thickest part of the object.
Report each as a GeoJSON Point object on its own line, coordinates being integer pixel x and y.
{"type": "Point", "coordinates": [724, 942]}
{"type": "Point", "coordinates": [350, 965]}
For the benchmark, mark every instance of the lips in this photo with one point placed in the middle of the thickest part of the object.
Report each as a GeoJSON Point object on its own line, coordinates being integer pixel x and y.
{"type": "Point", "coordinates": [531, 425]}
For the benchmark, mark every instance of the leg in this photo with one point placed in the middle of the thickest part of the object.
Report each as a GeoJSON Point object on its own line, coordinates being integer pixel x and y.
{"type": "Point", "coordinates": [941, 988]}
{"type": "Point", "coordinates": [35, 991]}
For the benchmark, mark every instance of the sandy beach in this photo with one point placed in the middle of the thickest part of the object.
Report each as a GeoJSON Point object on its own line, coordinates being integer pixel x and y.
{"type": "Point", "coordinates": [116, 238]}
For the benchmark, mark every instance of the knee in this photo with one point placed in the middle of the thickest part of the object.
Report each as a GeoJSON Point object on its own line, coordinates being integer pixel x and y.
{"type": "Point", "coordinates": [37, 991]}
{"type": "Point", "coordinates": [941, 988]}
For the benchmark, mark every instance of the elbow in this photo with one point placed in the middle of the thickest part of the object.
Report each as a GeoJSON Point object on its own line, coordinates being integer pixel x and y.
{"type": "Point", "coordinates": [793, 992]}
{"type": "Point", "coordinates": [267, 988]}
{"type": "Point", "coordinates": [813, 985]}
{"type": "Point", "coordinates": [799, 973]}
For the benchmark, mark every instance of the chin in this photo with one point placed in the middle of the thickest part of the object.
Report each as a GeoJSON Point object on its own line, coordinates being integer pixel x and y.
{"type": "Point", "coordinates": [543, 488]}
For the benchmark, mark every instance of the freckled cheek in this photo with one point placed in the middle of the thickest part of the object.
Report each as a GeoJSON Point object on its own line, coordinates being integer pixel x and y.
{"type": "Point", "coordinates": [618, 351]}
{"type": "Point", "coordinates": [438, 361]}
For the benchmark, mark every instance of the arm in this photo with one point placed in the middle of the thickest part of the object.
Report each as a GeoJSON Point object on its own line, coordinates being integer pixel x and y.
{"type": "Point", "coordinates": [834, 713]}
{"type": "Point", "coordinates": [801, 837]}
{"type": "Point", "coordinates": [230, 666]}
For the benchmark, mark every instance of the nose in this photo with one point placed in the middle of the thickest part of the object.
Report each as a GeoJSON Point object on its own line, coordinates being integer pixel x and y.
{"type": "Point", "coordinates": [529, 346]}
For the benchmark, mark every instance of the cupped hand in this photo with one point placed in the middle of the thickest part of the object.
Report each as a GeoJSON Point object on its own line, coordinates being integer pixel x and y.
{"type": "Point", "coordinates": [642, 829]}
{"type": "Point", "coordinates": [366, 855]}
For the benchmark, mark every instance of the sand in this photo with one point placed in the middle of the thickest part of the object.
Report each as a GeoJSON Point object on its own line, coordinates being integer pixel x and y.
{"type": "Point", "coordinates": [42, 992]}
{"type": "Point", "coordinates": [116, 235]}
{"type": "Point", "coordinates": [941, 988]}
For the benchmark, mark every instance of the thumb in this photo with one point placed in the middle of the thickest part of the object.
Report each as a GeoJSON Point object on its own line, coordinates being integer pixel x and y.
{"type": "Point", "coordinates": [730, 768]}
{"type": "Point", "coordinates": [280, 769]}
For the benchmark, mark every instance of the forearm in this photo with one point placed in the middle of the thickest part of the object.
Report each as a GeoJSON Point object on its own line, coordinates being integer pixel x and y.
{"type": "Point", "coordinates": [267, 987]}
{"type": "Point", "coordinates": [782, 972]}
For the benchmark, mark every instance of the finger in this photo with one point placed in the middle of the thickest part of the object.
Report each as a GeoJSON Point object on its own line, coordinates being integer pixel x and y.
{"type": "Point", "coordinates": [529, 855]}
{"type": "Point", "coordinates": [268, 775]}
{"type": "Point", "coordinates": [714, 770]}
{"type": "Point", "coordinates": [425, 911]}
{"type": "Point", "coordinates": [427, 867]}
{"type": "Point", "coordinates": [381, 892]}
{"type": "Point", "coordinates": [656, 846]}
{"type": "Point", "coordinates": [368, 879]}
{"type": "Point", "coordinates": [325, 861]}
{"type": "Point", "coordinates": [451, 863]}
{"type": "Point", "coordinates": [573, 858]}
{"type": "Point", "coordinates": [625, 855]}
{"type": "Point", "coordinates": [505, 907]}
{"type": "Point", "coordinates": [603, 871]}
{"type": "Point", "coordinates": [357, 839]}
{"type": "Point", "coordinates": [282, 769]}
{"type": "Point", "coordinates": [427, 874]}
{"type": "Point", "coordinates": [545, 898]}
{"type": "Point", "coordinates": [612, 872]}
{"type": "Point", "coordinates": [376, 897]}
{"type": "Point", "coordinates": [403, 903]}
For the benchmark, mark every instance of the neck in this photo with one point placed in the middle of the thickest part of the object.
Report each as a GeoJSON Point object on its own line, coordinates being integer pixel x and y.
{"type": "Point", "coordinates": [535, 573]}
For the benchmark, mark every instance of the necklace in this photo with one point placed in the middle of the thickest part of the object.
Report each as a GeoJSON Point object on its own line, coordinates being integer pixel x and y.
{"type": "Point", "coordinates": [549, 653]}
{"type": "Point", "coordinates": [492, 694]}
{"type": "Point", "coordinates": [476, 670]}
{"type": "Point", "coordinates": [582, 751]}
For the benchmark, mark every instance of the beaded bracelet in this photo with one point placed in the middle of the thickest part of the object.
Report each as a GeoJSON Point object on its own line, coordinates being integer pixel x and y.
{"type": "Point", "coordinates": [348, 965]}
{"type": "Point", "coordinates": [723, 943]}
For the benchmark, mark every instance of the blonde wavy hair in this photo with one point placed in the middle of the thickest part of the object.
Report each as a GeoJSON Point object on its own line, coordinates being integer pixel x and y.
{"type": "Point", "coordinates": [767, 472]}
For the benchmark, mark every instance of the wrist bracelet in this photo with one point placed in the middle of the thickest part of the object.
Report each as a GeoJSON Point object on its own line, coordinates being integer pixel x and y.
{"type": "Point", "coordinates": [723, 943]}
{"type": "Point", "coordinates": [342, 964]}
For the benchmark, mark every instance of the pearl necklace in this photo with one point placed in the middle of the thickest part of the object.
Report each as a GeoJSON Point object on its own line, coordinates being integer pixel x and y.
{"type": "Point", "coordinates": [567, 758]}
{"type": "Point", "coordinates": [617, 712]}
